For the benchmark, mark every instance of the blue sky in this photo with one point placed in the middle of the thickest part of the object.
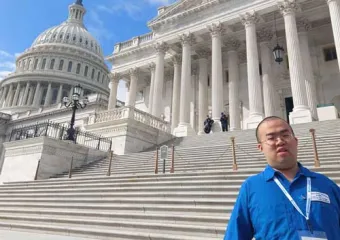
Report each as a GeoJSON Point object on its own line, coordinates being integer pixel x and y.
{"type": "Point", "coordinates": [109, 21]}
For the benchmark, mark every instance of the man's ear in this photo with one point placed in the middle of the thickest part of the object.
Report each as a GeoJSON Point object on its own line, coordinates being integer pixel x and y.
{"type": "Point", "coordinates": [259, 147]}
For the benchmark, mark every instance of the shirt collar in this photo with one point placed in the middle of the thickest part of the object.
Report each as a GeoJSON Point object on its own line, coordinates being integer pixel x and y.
{"type": "Point", "coordinates": [269, 172]}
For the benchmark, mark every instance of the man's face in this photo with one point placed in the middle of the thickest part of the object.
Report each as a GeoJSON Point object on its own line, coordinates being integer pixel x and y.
{"type": "Point", "coordinates": [278, 144]}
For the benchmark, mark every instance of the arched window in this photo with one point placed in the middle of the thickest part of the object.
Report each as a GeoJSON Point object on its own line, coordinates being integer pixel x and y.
{"type": "Point", "coordinates": [98, 76]}
{"type": "Point", "coordinates": [61, 64]}
{"type": "Point", "coordinates": [103, 78]}
{"type": "Point", "coordinates": [78, 68]}
{"type": "Point", "coordinates": [35, 64]}
{"type": "Point", "coordinates": [86, 70]}
{"type": "Point", "coordinates": [92, 75]}
{"type": "Point", "coordinates": [52, 63]}
{"type": "Point", "coordinates": [69, 68]}
{"type": "Point", "coordinates": [43, 65]}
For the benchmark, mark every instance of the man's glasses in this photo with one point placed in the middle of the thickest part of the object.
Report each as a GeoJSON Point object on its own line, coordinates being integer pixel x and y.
{"type": "Point", "coordinates": [272, 139]}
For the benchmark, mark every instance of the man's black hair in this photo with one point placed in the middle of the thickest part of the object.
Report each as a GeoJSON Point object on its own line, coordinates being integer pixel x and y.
{"type": "Point", "coordinates": [268, 119]}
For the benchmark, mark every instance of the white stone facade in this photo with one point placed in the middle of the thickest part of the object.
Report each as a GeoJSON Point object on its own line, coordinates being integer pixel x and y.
{"type": "Point", "coordinates": [242, 79]}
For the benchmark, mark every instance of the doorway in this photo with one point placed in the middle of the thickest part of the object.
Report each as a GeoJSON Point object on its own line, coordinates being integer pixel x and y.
{"type": "Point", "coordinates": [289, 106]}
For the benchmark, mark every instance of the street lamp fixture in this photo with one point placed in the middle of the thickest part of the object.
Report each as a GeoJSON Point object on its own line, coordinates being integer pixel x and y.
{"type": "Point", "coordinates": [75, 103]}
{"type": "Point", "coordinates": [278, 50]}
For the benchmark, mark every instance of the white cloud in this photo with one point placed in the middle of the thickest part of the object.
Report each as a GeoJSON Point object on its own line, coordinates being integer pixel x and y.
{"type": "Point", "coordinates": [7, 63]}
{"type": "Point", "coordinates": [97, 28]}
{"type": "Point", "coordinates": [131, 8]}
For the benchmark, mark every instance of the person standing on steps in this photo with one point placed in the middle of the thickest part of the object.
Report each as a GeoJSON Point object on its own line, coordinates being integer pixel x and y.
{"type": "Point", "coordinates": [208, 124]}
{"type": "Point", "coordinates": [224, 122]}
{"type": "Point", "coordinates": [286, 201]}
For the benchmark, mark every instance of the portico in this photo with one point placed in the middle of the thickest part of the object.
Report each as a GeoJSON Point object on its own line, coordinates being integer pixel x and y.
{"type": "Point", "coordinates": [237, 73]}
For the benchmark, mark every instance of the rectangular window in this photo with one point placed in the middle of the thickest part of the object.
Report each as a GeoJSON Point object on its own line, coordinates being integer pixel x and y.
{"type": "Point", "coordinates": [69, 69]}
{"type": "Point", "coordinates": [260, 69]}
{"type": "Point", "coordinates": [227, 76]}
{"type": "Point", "coordinates": [330, 53]}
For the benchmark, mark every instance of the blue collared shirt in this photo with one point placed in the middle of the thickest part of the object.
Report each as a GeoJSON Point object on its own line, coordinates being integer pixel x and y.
{"type": "Point", "coordinates": [264, 212]}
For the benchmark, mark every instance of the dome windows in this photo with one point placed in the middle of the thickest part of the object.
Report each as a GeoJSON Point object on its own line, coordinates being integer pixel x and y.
{"type": "Point", "coordinates": [86, 42]}
{"type": "Point", "coordinates": [80, 39]}
{"type": "Point", "coordinates": [69, 68]}
{"type": "Point", "coordinates": [67, 36]}
{"type": "Point", "coordinates": [61, 36]}
{"type": "Point", "coordinates": [78, 68]}
{"type": "Point", "coordinates": [61, 64]}
{"type": "Point", "coordinates": [43, 65]}
{"type": "Point", "coordinates": [98, 76]}
{"type": "Point", "coordinates": [86, 71]}
{"type": "Point", "coordinates": [92, 75]}
{"type": "Point", "coordinates": [52, 63]}
{"type": "Point", "coordinates": [74, 38]}
{"type": "Point", "coordinates": [35, 63]}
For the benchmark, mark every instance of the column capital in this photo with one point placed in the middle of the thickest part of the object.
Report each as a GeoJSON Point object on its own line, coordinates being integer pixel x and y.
{"type": "Point", "coordinates": [194, 71]}
{"type": "Point", "coordinates": [232, 44]}
{"type": "Point", "coordinates": [216, 29]}
{"type": "Point", "coordinates": [152, 66]}
{"type": "Point", "coordinates": [133, 71]}
{"type": "Point", "coordinates": [176, 59]}
{"type": "Point", "coordinates": [187, 38]}
{"type": "Point", "coordinates": [161, 47]}
{"type": "Point", "coordinates": [114, 76]}
{"type": "Point", "coordinates": [288, 7]}
{"type": "Point", "coordinates": [264, 35]}
{"type": "Point", "coordinates": [202, 53]}
{"type": "Point", "coordinates": [303, 25]}
{"type": "Point", "coordinates": [249, 18]}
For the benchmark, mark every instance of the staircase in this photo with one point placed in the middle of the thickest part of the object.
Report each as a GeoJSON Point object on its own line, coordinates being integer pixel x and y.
{"type": "Point", "coordinates": [194, 203]}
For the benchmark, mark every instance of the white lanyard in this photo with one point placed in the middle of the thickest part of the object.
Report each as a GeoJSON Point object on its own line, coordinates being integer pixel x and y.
{"type": "Point", "coordinates": [309, 197]}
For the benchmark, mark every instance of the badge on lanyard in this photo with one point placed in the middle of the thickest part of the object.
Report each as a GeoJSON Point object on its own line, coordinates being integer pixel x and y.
{"type": "Point", "coordinates": [306, 234]}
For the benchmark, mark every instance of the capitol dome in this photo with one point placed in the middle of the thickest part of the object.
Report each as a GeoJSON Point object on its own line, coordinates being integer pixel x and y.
{"type": "Point", "coordinates": [59, 59]}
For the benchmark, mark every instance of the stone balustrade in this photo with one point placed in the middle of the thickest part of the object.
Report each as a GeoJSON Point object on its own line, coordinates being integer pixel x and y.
{"type": "Point", "coordinates": [136, 41]}
{"type": "Point", "coordinates": [128, 112]}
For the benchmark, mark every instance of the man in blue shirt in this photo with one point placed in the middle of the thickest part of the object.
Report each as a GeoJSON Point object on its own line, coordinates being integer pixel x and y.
{"type": "Point", "coordinates": [286, 201]}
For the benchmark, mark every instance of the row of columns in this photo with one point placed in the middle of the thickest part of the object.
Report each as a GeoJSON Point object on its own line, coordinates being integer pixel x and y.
{"type": "Point", "coordinates": [300, 68]}
{"type": "Point", "coordinates": [31, 95]}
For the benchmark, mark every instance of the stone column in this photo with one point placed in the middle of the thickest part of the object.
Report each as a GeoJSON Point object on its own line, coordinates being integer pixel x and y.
{"type": "Point", "coordinates": [60, 94]}
{"type": "Point", "coordinates": [30, 96]}
{"type": "Point", "coordinates": [249, 20]}
{"type": "Point", "coordinates": [161, 49]}
{"type": "Point", "coordinates": [301, 112]}
{"type": "Point", "coordinates": [265, 35]}
{"type": "Point", "coordinates": [334, 9]}
{"type": "Point", "coordinates": [133, 87]}
{"type": "Point", "coordinates": [176, 90]}
{"type": "Point", "coordinates": [24, 98]}
{"type": "Point", "coordinates": [9, 96]}
{"type": "Point", "coordinates": [234, 82]}
{"type": "Point", "coordinates": [3, 96]}
{"type": "Point", "coordinates": [114, 77]}
{"type": "Point", "coordinates": [193, 98]}
{"type": "Point", "coordinates": [152, 68]}
{"type": "Point", "coordinates": [36, 99]}
{"type": "Point", "coordinates": [303, 28]}
{"type": "Point", "coordinates": [184, 128]}
{"type": "Point", "coordinates": [48, 97]}
{"type": "Point", "coordinates": [202, 89]}
{"type": "Point", "coordinates": [216, 31]}
{"type": "Point", "coordinates": [16, 95]}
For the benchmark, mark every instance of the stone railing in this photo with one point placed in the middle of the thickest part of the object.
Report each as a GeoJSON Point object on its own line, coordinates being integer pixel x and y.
{"type": "Point", "coordinates": [128, 112]}
{"type": "Point", "coordinates": [136, 41]}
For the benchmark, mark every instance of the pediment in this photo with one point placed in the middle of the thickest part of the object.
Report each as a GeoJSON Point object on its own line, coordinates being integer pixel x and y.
{"type": "Point", "coordinates": [180, 7]}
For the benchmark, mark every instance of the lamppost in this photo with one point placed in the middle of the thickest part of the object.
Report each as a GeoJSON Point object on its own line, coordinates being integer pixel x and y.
{"type": "Point", "coordinates": [75, 103]}
{"type": "Point", "coordinates": [278, 50]}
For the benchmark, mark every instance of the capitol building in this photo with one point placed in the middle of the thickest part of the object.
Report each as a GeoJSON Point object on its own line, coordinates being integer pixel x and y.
{"type": "Point", "coordinates": [247, 58]}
